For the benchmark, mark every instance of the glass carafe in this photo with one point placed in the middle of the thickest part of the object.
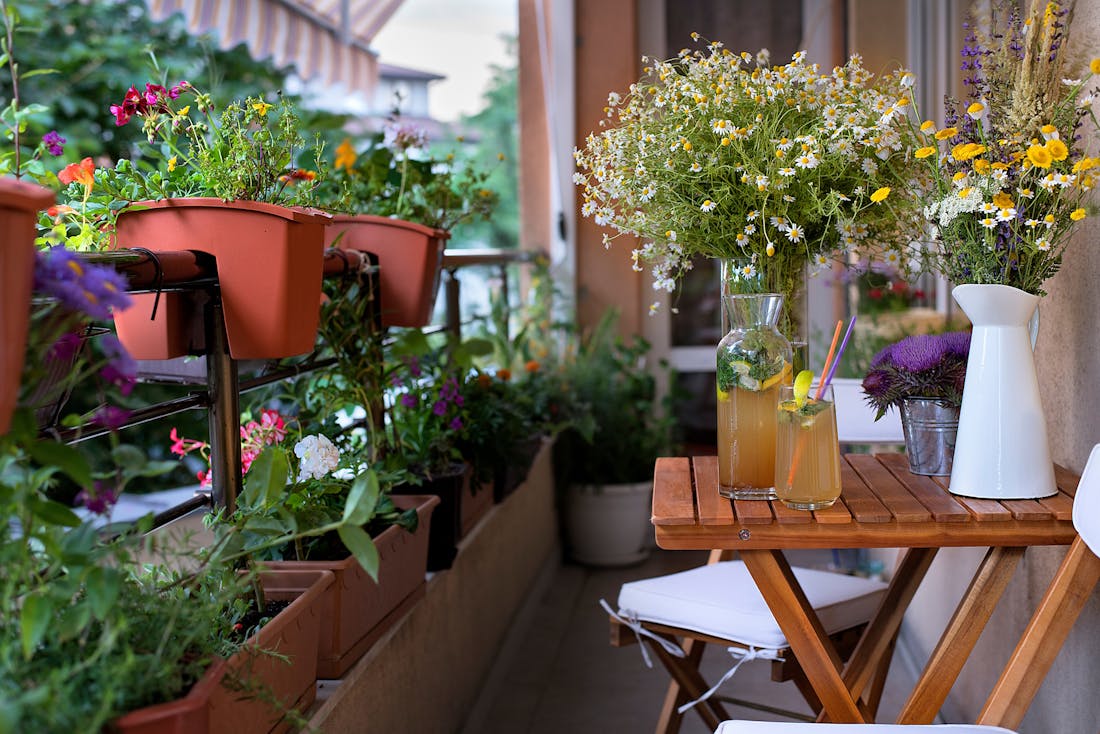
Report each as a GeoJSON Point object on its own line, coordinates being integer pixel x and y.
{"type": "Point", "coordinates": [754, 359]}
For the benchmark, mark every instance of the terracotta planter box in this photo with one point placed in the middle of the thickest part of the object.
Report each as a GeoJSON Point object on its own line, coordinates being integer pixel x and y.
{"type": "Point", "coordinates": [212, 708]}
{"type": "Point", "coordinates": [477, 499]}
{"type": "Point", "coordinates": [20, 203]}
{"type": "Point", "coordinates": [446, 518]}
{"type": "Point", "coordinates": [270, 261]}
{"type": "Point", "coordinates": [357, 611]}
{"type": "Point", "coordinates": [410, 257]}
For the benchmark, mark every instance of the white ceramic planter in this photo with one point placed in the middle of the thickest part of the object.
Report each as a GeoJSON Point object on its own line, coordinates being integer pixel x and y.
{"type": "Point", "coordinates": [1001, 451]}
{"type": "Point", "coordinates": [609, 525]}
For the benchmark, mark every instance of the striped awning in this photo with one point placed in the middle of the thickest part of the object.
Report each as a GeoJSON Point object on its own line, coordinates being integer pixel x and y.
{"type": "Point", "coordinates": [325, 40]}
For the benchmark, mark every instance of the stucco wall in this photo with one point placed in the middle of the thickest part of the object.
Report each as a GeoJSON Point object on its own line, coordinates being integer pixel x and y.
{"type": "Point", "coordinates": [1067, 357]}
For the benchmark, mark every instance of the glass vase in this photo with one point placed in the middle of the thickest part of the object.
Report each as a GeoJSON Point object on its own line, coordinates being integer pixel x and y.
{"type": "Point", "coordinates": [753, 361]}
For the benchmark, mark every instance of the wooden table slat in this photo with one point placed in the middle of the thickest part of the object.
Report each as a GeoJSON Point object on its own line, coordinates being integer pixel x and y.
{"type": "Point", "coordinates": [834, 515]}
{"type": "Point", "coordinates": [1027, 510]}
{"type": "Point", "coordinates": [674, 504]}
{"type": "Point", "coordinates": [985, 510]}
{"type": "Point", "coordinates": [1060, 505]}
{"type": "Point", "coordinates": [786, 516]}
{"type": "Point", "coordinates": [861, 501]}
{"type": "Point", "coordinates": [901, 504]}
{"type": "Point", "coordinates": [754, 512]}
{"type": "Point", "coordinates": [941, 504]}
{"type": "Point", "coordinates": [714, 509]}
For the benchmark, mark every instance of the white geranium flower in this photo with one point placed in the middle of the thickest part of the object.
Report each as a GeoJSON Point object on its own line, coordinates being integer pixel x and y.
{"type": "Point", "coordinates": [317, 457]}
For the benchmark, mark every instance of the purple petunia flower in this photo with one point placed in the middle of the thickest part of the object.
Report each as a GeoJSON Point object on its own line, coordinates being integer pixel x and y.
{"type": "Point", "coordinates": [414, 367]}
{"type": "Point", "coordinates": [408, 400]}
{"type": "Point", "coordinates": [456, 424]}
{"type": "Point", "coordinates": [65, 349]}
{"type": "Point", "coordinates": [54, 143]}
{"type": "Point", "coordinates": [100, 500]}
{"type": "Point", "coordinates": [440, 407]}
{"type": "Point", "coordinates": [111, 417]}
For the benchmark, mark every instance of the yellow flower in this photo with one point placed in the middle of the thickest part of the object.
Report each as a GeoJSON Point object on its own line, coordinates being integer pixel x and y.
{"type": "Point", "coordinates": [1003, 201]}
{"type": "Point", "coordinates": [976, 110]}
{"type": "Point", "coordinates": [1094, 66]}
{"type": "Point", "coordinates": [965, 192]}
{"type": "Point", "coordinates": [1077, 214]}
{"type": "Point", "coordinates": [172, 164]}
{"type": "Point", "coordinates": [1049, 131]}
{"type": "Point", "coordinates": [1057, 149]}
{"type": "Point", "coordinates": [1084, 164]}
{"type": "Point", "coordinates": [947, 132]}
{"type": "Point", "coordinates": [981, 166]}
{"type": "Point", "coordinates": [880, 194]}
{"type": "Point", "coordinates": [927, 126]}
{"type": "Point", "coordinates": [345, 155]}
{"type": "Point", "coordinates": [966, 151]}
{"type": "Point", "coordinates": [262, 108]}
{"type": "Point", "coordinates": [182, 111]}
{"type": "Point", "coordinates": [1039, 156]}
{"type": "Point", "coordinates": [924, 152]}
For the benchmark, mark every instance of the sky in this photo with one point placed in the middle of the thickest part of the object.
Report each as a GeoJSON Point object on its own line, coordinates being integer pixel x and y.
{"type": "Point", "coordinates": [458, 38]}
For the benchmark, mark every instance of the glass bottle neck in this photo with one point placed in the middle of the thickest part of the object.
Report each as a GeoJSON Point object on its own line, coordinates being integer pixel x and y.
{"type": "Point", "coordinates": [753, 310]}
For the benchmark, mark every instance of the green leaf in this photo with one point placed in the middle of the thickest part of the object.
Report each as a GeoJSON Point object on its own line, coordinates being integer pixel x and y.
{"type": "Point", "coordinates": [129, 458]}
{"type": "Point", "coordinates": [65, 458]}
{"type": "Point", "coordinates": [266, 480]}
{"type": "Point", "coordinates": [362, 499]}
{"type": "Point", "coordinates": [478, 347]}
{"type": "Point", "coordinates": [103, 586]}
{"type": "Point", "coordinates": [34, 619]}
{"type": "Point", "coordinates": [362, 547]}
{"type": "Point", "coordinates": [52, 512]}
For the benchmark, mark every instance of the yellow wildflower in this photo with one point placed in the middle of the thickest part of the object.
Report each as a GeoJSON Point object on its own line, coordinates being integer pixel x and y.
{"type": "Point", "coordinates": [947, 132]}
{"type": "Point", "coordinates": [172, 164]}
{"type": "Point", "coordinates": [966, 151]}
{"type": "Point", "coordinates": [1003, 201]}
{"type": "Point", "coordinates": [1057, 149]}
{"type": "Point", "coordinates": [981, 166]}
{"type": "Point", "coordinates": [880, 194]}
{"type": "Point", "coordinates": [262, 108]}
{"type": "Point", "coordinates": [924, 152]}
{"type": "Point", "coordinates": [1077, 214]}
{"type": "Point", "coordinates": [1094, 66]}
{"type": "Point", "coordinates": [927, 126]}
{"type": "Point", "coordinates": [1039, 156]}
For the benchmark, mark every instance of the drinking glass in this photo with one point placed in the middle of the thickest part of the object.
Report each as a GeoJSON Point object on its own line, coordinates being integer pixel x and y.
{"type": "Point", "coordinates": [807, 460]}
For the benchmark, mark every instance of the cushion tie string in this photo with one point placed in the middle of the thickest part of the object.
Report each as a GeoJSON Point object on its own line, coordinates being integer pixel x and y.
{"type": "Point", "coordinates": [627, 617]}
{"type": "Point", "coordinates": [740, 655]}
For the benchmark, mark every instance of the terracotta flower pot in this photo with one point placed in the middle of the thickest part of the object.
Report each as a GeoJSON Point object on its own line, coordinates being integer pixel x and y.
{"type": "Point", "coordinates": [410, 257]}
{"type": "Point", "coordinates": [356, 610]}
{"type": "Point", "coordinates": [212, 707]}
{"type": "Point", "coordinates": [270, 261]}
{"type": "Point", "coordinates": [19, 204]}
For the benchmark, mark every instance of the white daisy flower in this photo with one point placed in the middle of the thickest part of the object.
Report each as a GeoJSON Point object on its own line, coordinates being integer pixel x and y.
{"type": "Point", "coordinates": [707, 206]}
{"type": "Point", "coordinates": [988, 222]}
{"type": "Point", "coordinates": [795, 233]}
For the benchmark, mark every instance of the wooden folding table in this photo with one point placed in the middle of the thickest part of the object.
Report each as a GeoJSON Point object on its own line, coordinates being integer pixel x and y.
{"type": "Point", "coordinates": [882, 505]}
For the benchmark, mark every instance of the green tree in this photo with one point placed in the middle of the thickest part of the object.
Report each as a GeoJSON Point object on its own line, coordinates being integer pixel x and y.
{"type": "Point", "coordinates": [497, 126]}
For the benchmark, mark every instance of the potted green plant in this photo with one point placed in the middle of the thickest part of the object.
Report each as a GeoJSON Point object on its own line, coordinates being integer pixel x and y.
{"type": "Point", "coordinates": [922, 376]}
{"type": "Point", "coordinates": [229, 186]}
{"type": "Point", "coordinates": [604, 461]}
{"type": "Point", "coordinates": [394, 199]}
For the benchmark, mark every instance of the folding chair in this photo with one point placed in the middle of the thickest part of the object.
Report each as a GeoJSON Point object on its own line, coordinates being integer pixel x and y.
{"type": "Point", "coordinates": [1044, 636]}
{"type": "Point", "coordinates": [676, 616]}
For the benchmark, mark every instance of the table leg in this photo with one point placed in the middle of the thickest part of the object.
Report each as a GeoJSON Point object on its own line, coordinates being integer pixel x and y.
{"type": "Point", "coordinates": [805, 635]}
{"type": "Point", "coordinates": [961, 635]}
{"type": "Point", "coordinates": [875, 645]}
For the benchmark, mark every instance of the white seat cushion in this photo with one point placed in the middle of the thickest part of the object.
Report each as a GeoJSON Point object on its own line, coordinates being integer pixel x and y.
{"type": "Point", "coordinates": [721, 599]}
{"type": "Point", "coordinates": [783, 727]}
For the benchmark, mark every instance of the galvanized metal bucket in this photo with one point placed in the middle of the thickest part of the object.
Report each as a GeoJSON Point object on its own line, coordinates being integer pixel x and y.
{"type": "Point", "coordinates": [930, 426]}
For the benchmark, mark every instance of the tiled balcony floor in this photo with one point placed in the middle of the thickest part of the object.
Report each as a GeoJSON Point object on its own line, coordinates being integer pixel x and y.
{"type": "Point", "coordinates": [557, 674]}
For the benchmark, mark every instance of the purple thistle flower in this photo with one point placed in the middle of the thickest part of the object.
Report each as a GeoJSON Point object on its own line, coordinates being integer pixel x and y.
{"type": "Point", "coordinates": [877, 383]}
{"type": "Point", "coordinates": [54, 143]}
{"type": "Point", "coordinates": [918, 353]}
{"type": "Point", "coordinates": [100, 500]}
{"type": "Point", "coordinates": [957, 343]}
{"type": "Point", "coordinates": [885, 356]}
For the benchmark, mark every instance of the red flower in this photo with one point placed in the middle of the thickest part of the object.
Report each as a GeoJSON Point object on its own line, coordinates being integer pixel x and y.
{"type": "Point", "coordinates": [83, 173]}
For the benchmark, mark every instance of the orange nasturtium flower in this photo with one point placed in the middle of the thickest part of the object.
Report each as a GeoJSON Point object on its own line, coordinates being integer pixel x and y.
{"type": "Point", "coordinates": [532, 366]}
{"type": "Point", "coordinates": [504, 374]}
{"type": "Point", "coordinates": [345, 155]}
{"type": "Point", "coordinates": [82, 173]}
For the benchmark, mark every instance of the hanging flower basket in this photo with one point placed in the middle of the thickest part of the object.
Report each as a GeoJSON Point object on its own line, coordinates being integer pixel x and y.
{"type": "Point", "coordinates": [19, 204]}
{"type": "Point", "coordinates": [270, 260]}
{"type": "Point", "coordinates": [410, 258]}
{"type": "Point", "coordinates": [356, 609]}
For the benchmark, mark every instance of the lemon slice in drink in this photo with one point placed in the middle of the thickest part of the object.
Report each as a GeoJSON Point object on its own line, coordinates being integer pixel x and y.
{"type": "Point", "coordinates": [722, 394]}
{"type": "Point", "coordinates": [777, 378]}
{"type": "Point", "coordinates": [802, 386]}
